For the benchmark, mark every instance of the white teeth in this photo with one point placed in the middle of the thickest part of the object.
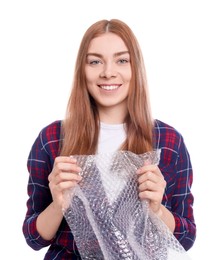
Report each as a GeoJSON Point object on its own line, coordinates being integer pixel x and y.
{"type": "Point", "coordinates": [109, 87]}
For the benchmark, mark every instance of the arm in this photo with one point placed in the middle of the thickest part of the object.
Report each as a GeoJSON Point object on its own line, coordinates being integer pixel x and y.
{"type": "Point", "coordinates": [63, 176]}
{"type": "Point", "coordinates": [176, 195]}
{"type": "Point", "coordinates": [39, 166]}
{"type": "Point", "coordinates": [174, 184]}
{"type": "Point", "coordinates": [151, 188]}
{"type": "Point", "coordinates": [182, 199]}
{"type": "Point", "coordinates": [44, 204]}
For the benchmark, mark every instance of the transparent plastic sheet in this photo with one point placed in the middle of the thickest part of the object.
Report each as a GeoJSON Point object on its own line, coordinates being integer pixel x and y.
{"type": "Point", "coordinates": [106, 217]}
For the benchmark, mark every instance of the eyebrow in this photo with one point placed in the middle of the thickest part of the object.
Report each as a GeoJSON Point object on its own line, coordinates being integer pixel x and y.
{"type": "Point", "coordinates": [101, 56]}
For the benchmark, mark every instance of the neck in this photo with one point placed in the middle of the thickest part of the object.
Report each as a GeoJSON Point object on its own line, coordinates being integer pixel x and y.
{"type": "Point", "coordinates": [112, 115]}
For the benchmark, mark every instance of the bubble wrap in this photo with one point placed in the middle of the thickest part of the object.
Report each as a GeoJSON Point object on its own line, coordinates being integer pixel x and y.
{"type": "Point", "coordinates": [106, 216]}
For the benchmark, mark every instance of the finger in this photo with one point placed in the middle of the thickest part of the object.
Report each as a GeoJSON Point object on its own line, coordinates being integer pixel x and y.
{"type": "Point", "coordinates": [148, 176]}
{"type": "Point", "coordinates": [65, 159]}
{"type": "Point", "coordinates": [61, 186]}
{"type": "Point", "coordinates": [64, 168]}
{"type": "Point", "coordinates": [64, 163]}
{"type": "Point", "coordinates": [152, 196]}
{"type": "Point", "coordinates": [150, 168]}
{"type": "Point", "coordinates": [68, 167]}
{"type": "Point", "coordinates": [147, 195]}
{"type": "Point", "coordinates": [67, 176]}
{"type": "Point", "coordinates": [147, 168]}
{"type": "Point", "coordinates": [147, 186]}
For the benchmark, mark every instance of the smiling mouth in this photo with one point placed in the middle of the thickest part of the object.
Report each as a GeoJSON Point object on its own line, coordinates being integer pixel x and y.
{"type": "Point", "coordinates": [109, 87]}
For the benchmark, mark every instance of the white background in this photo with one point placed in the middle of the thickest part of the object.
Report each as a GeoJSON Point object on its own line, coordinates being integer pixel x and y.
{"type": "Point", "coordinates": [182, 46]}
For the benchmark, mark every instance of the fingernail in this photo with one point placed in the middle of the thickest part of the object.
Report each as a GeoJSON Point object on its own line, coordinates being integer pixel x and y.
{"type": "Point", "coordinates": [138, 171]}
{"type": "Point", "coordinates": [72, 157]}
{"type": "Point", "coordinates": [147, 162]}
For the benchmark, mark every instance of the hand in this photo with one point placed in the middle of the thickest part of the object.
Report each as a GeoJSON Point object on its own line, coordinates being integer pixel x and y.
{"type": "Point", "coordinates": [63, 176]}
{"type": "Point", "coordinates": [151, 186]}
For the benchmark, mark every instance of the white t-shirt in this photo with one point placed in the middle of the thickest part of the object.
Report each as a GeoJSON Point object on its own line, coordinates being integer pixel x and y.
{"type": "Point", "coordinates": [110, 137]}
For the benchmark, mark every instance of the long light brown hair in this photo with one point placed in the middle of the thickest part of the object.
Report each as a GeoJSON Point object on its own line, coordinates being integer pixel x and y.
{"type": "Point", "coordinates": [80, 128]}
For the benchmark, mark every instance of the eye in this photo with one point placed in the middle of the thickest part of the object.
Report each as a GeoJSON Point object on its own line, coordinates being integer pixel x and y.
{"type": "Point", "coordinates": [123, 61]}
{"type": "Point", "coordinates": [94, 62]}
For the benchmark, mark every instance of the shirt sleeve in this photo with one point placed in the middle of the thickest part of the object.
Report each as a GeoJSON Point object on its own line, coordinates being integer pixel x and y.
{"type": "Point", "coordinates": [39, 164]}
{"type": "Point", "coordinates": [182, 199]}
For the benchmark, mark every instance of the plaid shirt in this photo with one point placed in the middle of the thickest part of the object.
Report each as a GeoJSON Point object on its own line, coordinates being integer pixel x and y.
{"type": "Point", "coordinates": [174, 164]}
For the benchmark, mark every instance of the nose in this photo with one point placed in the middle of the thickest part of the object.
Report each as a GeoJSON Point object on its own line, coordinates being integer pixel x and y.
{"type": "Point", "coordinates": [108, 71]}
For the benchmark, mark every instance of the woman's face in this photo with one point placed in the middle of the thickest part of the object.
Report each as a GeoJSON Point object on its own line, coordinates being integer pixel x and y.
{"type": "Point", "coordinates": [108, 71]}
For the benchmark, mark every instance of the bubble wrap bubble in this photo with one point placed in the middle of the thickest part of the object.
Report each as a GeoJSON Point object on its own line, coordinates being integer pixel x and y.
{"type": "Point", "coordinates": [106, 216]}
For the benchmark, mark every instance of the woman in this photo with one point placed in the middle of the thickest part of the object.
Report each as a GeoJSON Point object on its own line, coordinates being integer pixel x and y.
{"type": "Point", "coordinates": [108, 110]}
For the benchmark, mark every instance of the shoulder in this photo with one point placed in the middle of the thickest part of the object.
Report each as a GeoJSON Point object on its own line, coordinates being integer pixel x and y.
{"type": "Point", "coordinates": [162, 127]}
{"type": "Point", "coordinates": [47, 143]}
{"type": "Point", "coordinates": [51, 132]}
{"type": "Point", "coordinates": [53, 127]}
{"type": "Point", "coordinates": [166, 135]}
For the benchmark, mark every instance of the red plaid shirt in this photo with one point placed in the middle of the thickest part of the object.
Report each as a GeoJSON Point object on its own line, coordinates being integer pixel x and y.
{"type": "Point", "coordinates": [174, 164]}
